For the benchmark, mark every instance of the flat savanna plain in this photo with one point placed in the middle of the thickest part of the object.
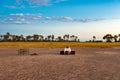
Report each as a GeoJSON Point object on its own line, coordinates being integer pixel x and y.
{"type": "Point", "coordinates": [56, 44]}
{"type": "Point", "coordinates": [89, 63]}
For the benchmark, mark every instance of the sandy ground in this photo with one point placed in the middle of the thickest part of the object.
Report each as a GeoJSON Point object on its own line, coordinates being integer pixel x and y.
{"type": "Point", "coordinates": [87, 64]}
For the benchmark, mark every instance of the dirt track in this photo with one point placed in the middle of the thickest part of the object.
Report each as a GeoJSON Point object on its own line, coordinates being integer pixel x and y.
{"type": "Point", "coordinates": [87, 64]}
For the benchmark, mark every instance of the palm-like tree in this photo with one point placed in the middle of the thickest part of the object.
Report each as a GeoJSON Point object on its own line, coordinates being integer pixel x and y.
{"type": "Point", "coordinates": [49, 37]}
{"type": "Point", "coordinates": [29, 38]}
{"type": "Point", "coordinates": [108, 37]}
{"type": "Point", "coordinates": [52, 36]}
{"type": "Point", "coordinates": [59, 38]}
{"type": "Point", "coordinates": [18, 37]}
{"type": "Point", "coordinates": [76, 37]}
{"type": "Point", "coordinates": [22, 38]}
{"type": "Point", "coordinates": [41, 37]}
{"type": "Point", "coordinates": [35, 37]}
{"type": "Point", "coordinates": [66, 37]}
{"type": "Point", "coordinates": [6, 36]}
{"type": "Point", "coordinates": [1, 37]}
{"type": "Point", "coordinates": [14, 37]}
{"type": "Point", "coordinates": [94, 38]}
{"type": "Point", "coordinates": [72, 37]}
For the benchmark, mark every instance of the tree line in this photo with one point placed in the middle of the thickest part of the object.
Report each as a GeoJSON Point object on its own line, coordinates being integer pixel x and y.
{"type": "Point", "coordinates": [37, 38]}
{"type": "Point", "coordinates": [112, 38]}
{"type": "Point", "coordinates": [40, 38]}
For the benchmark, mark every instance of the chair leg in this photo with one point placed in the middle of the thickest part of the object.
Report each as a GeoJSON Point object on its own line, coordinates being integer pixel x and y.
{"type": "Point", "coordinates": [66, 52]}
{"type": "Point", "coordinates": [72, 53]}
{"type": "Point", "coordinates": [61, 52]}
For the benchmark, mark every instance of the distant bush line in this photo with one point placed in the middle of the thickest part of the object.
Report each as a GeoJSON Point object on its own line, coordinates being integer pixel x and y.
{"type": "Point", "coordinates": [51, 38]}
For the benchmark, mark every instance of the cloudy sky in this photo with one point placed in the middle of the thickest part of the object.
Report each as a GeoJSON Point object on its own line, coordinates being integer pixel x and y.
{"type": "Point", "coordinates": [83, 18]}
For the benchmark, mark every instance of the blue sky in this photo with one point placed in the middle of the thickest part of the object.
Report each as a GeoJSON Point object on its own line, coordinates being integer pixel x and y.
{"type": "Point", "coordinates": [83, 18]}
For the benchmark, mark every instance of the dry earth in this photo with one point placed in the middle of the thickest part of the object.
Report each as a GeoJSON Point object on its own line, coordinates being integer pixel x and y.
{"type": "Point", "coordinates": [87, 64]}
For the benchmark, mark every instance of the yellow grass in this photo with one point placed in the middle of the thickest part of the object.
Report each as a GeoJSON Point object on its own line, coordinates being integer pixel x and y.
{"type": "Point", "coordinates": [55, 44]}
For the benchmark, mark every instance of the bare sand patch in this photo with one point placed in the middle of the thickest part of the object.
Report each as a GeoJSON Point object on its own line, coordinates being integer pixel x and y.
{"type": "Point", "coordinates": [49, 65]}
{"type": "Point", "coordinates": [107, 52]}
{"type": "Point", "coordinates": [116, 47]}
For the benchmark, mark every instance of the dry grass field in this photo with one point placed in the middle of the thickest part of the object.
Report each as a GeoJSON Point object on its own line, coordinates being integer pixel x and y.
{"type": "Point", "coordinates": [56, 44]}
{"type": "Point", "coordinates": [89, 63]}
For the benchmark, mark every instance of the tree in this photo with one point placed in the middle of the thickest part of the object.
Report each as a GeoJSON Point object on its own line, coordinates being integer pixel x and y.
{"type": "Point", "coordinates": [22, 38]}
{"type": "Point", "coordinates": [59, 38]}
{"type": "Point", "coordinates": [6, 36]}
{"type": "Point", "coordinates": [41, 37]}
{"type": "Point", "coordinates": [72, 37]}
{"type": "Point", "coordinates": [29, 38]}
{"type": "Point", "coordinates": [115, 38]}
{"type": "Point", "coordinates": [94, 38]}
{"type": "Point", "coordinates": [1, 37]}
{"type": "Point", "coordinates": [49, 37]}
{"type": "Point", "coordinates": [35, 37]}
{"type": "Point", "coordinates": [14, 37]}
{"type": "Point", "coordinates": [52, 36]}
{"type": "Point", "coordinates": [119, 37]}
{"type": "Point", "coordinates": [76, 37]}
{"type": "Point", "coordinates": [18, 38]}
{"type": "Point", "coordinates": [66, 37]}
{"type": "Point", "coordinates": [108, 37]}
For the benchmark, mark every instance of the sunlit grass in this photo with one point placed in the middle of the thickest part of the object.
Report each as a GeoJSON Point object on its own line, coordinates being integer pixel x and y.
{"type": "Point", "coordinates": [55, 44]}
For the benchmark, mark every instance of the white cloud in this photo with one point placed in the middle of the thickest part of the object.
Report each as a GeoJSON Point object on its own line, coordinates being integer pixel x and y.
{"type": "Point", "coordinates": [57, 18]}
{"type": "Point", "coordinates": [62, 18]}
{"type": "Point", "coordinates": [86, 20]}
{"type": "Point", "coordinates": [14, 7]}
{"type": "Point", "coordinates": [39, 16]}
{"type": "Point", "coordinates": [17, 22]}
{"type": "Point", "coordinates": [35, 18]}
{"type": "Point", "coordinates": [20, 22]}
{"type": "Point", "coordinates": [57, 1]}
{"type": "Point", "coordinates": [20, 18]}
{"type": "Point", "coordinates": [38, 2]}
{"type": "Point", "coordinates": [11, 7]}
{"type": "Point", "coordinates": [100, 19]}
{"type": "Point", "coordinates": [18, 14]}
{"type": "Point", "coordinates": [20, 4]}
{"type": "Point", "coordinates": [35, 6]}
{"type": "Point", "coordinates": [48, 18]}
{"type": "Point", "coordinates": [43, 2]}
{"type": "Point", "coordinates": [68, 19]}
